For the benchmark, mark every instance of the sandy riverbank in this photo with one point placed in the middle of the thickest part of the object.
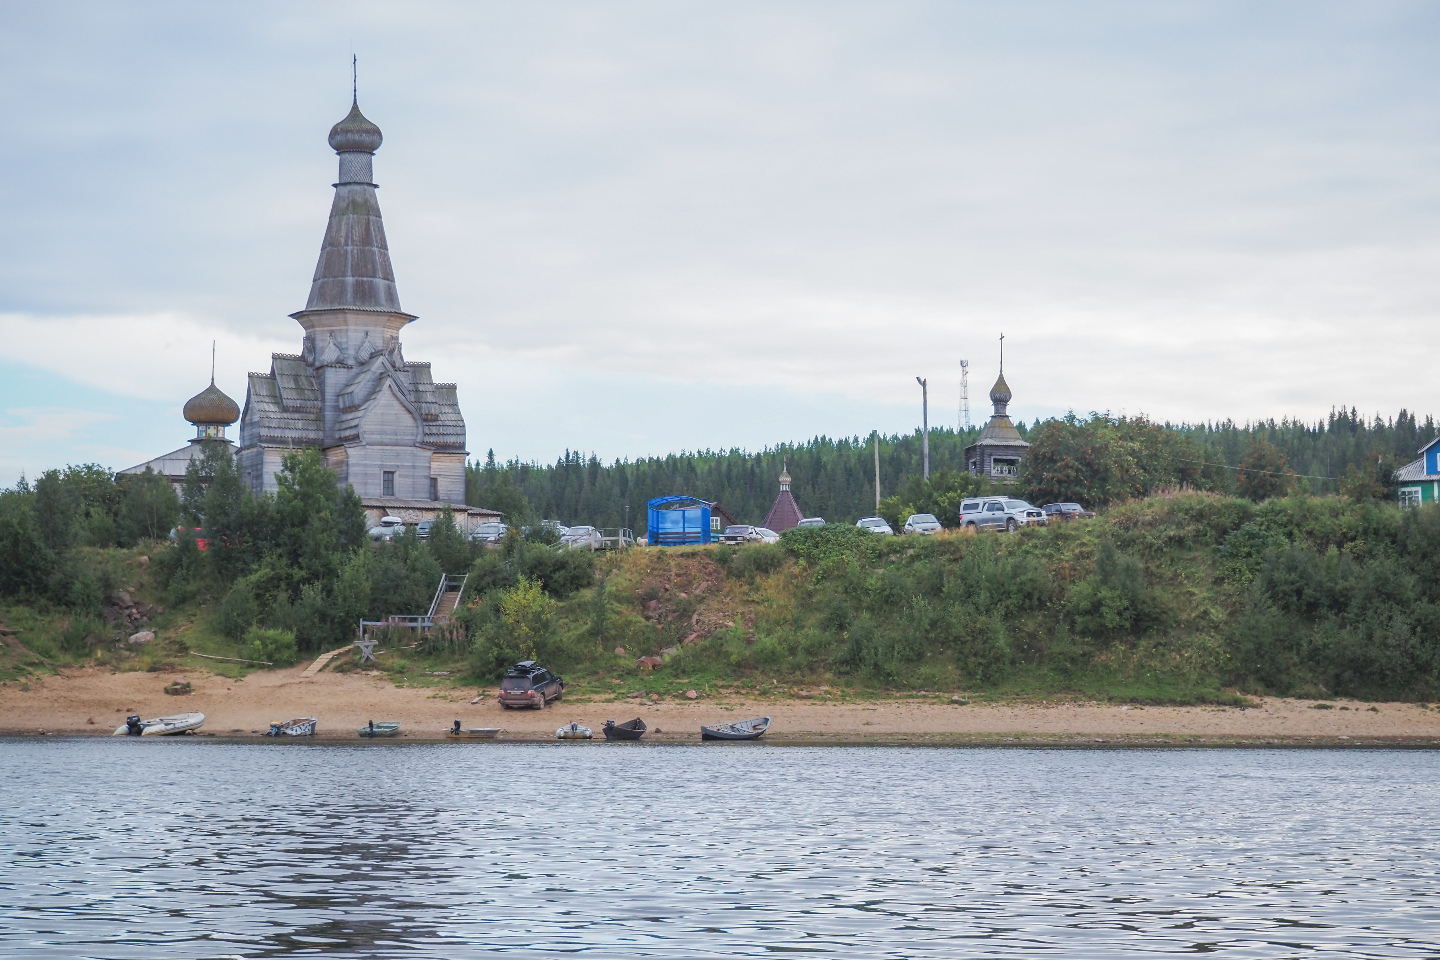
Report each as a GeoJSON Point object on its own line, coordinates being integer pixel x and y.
{"type": "Point", "coordinates": [95, 701]}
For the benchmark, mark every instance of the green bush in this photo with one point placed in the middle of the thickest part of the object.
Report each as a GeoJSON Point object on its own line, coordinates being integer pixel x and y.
{"type": "Point", "coordinates": [272, 646]}
{"type": "Point", "coordinates": [80, 633]}
{"type": "Point", "coordinates": [239, 610]}
{"type": "Point", "coordinates": [756, 559]}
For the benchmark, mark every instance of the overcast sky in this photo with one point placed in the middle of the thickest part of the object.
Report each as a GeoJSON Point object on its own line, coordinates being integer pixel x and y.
{"type": "Point", "coordinates": [645, 227]}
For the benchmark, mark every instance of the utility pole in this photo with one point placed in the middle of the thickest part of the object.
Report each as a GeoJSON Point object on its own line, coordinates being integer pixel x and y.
{"type": "Point", "coordinates": [965, 395]}
{"type": "Point", "coordinates": [925, 423]}
{"type": "Point", "coordinates": [876, 434]}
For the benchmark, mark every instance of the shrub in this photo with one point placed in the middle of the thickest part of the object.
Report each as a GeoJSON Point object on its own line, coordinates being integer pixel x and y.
{"type": "Point", "coordinates": [272, 646]}
{"type": "Point", "coordinates": [834, 543]}
{"type": "Point", "coordinates": [759, 558]}
{"type": "Point", "coordinates": [80, 633]}
{"type": "Point", "coordinates": [526, 613]}
{"type": "Point", "coordinates": [239, 610]}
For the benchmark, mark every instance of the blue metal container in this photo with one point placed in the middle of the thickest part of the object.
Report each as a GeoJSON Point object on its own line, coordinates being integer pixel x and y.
{"type": "Point", "coordinates": [677, 521]}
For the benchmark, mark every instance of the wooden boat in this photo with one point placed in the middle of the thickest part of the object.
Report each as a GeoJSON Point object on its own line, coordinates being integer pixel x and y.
{"type": "Point", "coordinates": [380, 728]}
{"type": "Point", "coordinates": [629, 730]}
{"type": "Point", "coordinates": [739, 730]}
{"type": "Point", "coordinates": [299, 727]}
{"type": "Point", "coordinates": [574, 732]}
{"type": "Point", "coordinates": [472, 733]}
{"type": "Point", "coordinates": [160, 726]}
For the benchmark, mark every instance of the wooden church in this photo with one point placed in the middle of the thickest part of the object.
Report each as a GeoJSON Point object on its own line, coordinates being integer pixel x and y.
{"type": "Point", "coordinates": [382, 422]}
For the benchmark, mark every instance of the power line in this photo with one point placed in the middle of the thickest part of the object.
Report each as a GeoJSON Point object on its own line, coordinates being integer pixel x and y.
{"type": "Point", "coordinates": [1273, 473]}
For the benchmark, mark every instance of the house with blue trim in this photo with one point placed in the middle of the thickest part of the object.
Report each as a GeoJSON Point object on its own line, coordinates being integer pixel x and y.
{"type": "Point", "coordinates": [1419, 482]}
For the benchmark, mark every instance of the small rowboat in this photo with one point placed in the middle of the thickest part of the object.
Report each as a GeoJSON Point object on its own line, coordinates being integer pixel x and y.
{"type": "Point", "coordinates": [160, 726]}
{"type": "Point", "coordinates": [380, 728]}
{"type": "Point", "coordinates": [472, 733]}
{"type": "Point", "coordinates": [300, 727]}
{"type": "Point", "coordinates": [629, 730]}
{"type": "Point", "coordinates": [739, 730]}
{"type": "Point", "coordinates": [574, 732]}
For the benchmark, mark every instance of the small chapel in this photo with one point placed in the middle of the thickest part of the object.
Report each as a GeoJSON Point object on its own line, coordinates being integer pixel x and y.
{"type": "Point", "coordinates": [999, 450]}
{"type": "Point", "coordinates": [784, 512]}
{"type": "Point", "coordinates": [381, 421]}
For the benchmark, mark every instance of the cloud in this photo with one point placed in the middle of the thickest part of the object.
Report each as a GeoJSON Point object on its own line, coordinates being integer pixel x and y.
{"type": "Point", "coordinates": [152, 357]}
{"type": "Point", "coordinates": [771, 217]}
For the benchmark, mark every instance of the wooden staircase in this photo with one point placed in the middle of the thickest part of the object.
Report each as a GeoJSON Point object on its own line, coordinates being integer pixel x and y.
{"type": "Point", "coordinates": [447, 598]}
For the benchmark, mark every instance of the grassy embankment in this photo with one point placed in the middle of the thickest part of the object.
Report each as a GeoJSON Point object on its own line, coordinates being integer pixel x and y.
{"type": "Point", "coordinates": [1195, 598]}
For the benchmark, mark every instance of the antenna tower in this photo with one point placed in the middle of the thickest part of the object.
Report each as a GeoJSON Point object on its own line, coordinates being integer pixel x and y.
{"type": "Point", "coordinates": [964, 395]}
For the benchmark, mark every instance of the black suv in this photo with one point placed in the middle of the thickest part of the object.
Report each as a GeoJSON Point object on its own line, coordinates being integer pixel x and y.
{"type": "Point", "coordinates": [527, 684]}
{"type": "Point", "coordinates": [1066, 511]}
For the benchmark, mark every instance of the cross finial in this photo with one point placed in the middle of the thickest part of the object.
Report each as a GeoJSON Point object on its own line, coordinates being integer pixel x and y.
{"type": "Point", "coordinates": [212, 363]}
{"type": "Point", "coordinates": [1002, 354]}
{"type": "Point", "coordinates": [354, 78]}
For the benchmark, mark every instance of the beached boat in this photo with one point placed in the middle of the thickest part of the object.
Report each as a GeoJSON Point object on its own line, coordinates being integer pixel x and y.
{"type": "Point", "coordinates": [299, 727]}
{"type": "Point", "coordinates": [380, 728]}
{"type": "Point", "coordinates": [160, 726]}
{"type": "Point", "coordinates": [573, 732]}
{"type": "Point", "coordinates": [629, 730]}
{"type": "Point", "coordinates": [471, 733]}
{"type": "Point", "coordinates": [739, 730]}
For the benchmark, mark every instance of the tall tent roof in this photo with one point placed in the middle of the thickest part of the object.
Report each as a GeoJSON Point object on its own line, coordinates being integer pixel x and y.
{"type": "Point", "coordinates": [354, 270]}
{"type": "Point", "coordinates": [784, 512]}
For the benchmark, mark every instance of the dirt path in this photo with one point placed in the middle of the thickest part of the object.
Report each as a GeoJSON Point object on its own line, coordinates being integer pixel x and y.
{"type": "Point", "coordinates": [96, 701]}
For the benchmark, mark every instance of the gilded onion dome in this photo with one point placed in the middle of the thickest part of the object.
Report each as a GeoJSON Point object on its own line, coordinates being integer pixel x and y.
{"type": "Point", "coordinates": [355, 134]}
{"type": "Point", "coordinates": [211, 407]}
{"type": "Point", "coordinates": [1000, 393]}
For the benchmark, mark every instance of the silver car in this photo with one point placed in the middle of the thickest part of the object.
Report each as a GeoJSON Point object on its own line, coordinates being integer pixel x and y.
{"type": "Point", "coordinates": [924, 524]}
{"type": "Point", "coordinates": [582, 538]}
{"type": "Point", "coordinates": [812, 522]}
{"type": "Point", "coordinates": [999, 513]}
{"type": "Point", "coordinates": [875, 525]}
{"type": "Point", "coordinates": [388, 529]}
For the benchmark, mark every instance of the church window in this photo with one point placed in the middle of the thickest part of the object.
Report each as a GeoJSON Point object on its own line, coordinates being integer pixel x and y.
{"type": "Point", "coordinates": [387, 483]}
{"type": "Point", "coordinates": [434, 488]}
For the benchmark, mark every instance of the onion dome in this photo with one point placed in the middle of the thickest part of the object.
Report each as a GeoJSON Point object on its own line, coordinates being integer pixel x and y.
{"type": "Point", "coordinates": [211, 407]}
{"type": "Point", "coordinates": [784, 478]}
{"type": "Point", "coordinates": [355, 134]}
{"type": "Point", "coordinates": [1000, 393]}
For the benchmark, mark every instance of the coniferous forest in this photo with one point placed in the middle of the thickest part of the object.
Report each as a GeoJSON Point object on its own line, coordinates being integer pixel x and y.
{"type": "Point", "coordinates": [1109, 460]}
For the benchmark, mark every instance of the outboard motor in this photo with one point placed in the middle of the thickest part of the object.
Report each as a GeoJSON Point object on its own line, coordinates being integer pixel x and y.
{"type": "Point", "coordinates": [456, 728]}
{"type": "Point", "coordinates": [133, 726]}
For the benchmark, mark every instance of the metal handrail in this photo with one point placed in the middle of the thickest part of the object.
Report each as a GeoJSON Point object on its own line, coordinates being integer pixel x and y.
{"type": "Point", "coordinates": [446, 579]}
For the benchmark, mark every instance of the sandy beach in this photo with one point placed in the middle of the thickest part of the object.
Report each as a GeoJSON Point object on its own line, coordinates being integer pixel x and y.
{"type": "Point", "coordinates": [95, 701]}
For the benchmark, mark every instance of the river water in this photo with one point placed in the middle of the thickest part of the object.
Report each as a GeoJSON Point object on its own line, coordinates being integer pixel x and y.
{"type": "Point", "coordinates": [188, 848]}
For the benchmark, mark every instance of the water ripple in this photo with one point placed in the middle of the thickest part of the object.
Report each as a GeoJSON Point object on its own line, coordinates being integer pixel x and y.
{"type": "Point", "coordinates": [180, 849]}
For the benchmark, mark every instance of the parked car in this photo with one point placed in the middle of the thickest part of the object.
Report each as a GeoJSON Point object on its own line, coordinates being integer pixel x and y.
{"type": "Point", "coordinates": [767, 535]}
{"type": "Point", "coordinates": [582, 538]}
{"type": "Point", "coordinates": [811, 522]}
{"type": "Point", "coordinates": [740, 533]}
{"type": "Point", "coordinates": [1066, 511]}
{"type": "Point", "coordinates": [924, 524]}
{"type": "Point", "coordinates": [999, 513]}
{"type": "Point", "coordinates": [491, 531]}
{"type": "Point", "coordinates": [388, 529]}
{"type": "Point", "coordinates": [527, 684]}
{"type": "Point", "coordinates": [548, 530]}
{"type": "Point", "coordinates": [423, 528]}
{"type": "Point", "coordinates": [875, 525]}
